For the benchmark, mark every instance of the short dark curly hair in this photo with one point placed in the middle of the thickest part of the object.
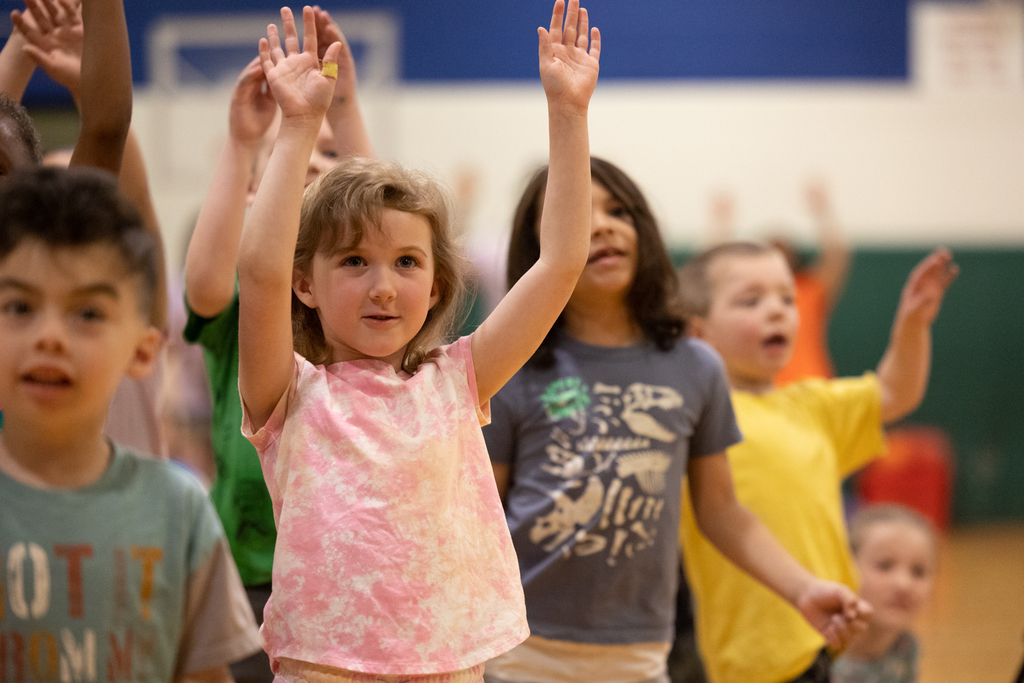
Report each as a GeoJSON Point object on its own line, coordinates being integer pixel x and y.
{"type": "Point", "coordinates": [14, 115]}
{"type": "Point", "coordinates": [74, 208]}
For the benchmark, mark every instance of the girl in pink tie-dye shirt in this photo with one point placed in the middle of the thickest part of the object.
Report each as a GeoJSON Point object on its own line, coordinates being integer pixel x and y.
{"type": "Point", "coordinates": [393, 556]}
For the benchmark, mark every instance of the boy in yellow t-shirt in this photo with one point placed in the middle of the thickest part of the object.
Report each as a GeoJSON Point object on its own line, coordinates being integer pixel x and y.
{"type": "Point", "coordinates": [800, 441]}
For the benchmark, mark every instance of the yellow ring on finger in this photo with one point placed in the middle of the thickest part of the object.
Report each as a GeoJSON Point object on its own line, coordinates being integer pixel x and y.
{"type": "Point", "coordinates": [329, 70]}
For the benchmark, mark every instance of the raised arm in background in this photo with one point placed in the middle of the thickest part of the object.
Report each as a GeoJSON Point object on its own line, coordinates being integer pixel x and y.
{"type": "Point", "coordinates": [906, 364]}
{"type": "Point", "coordinates": [213, 252]}
{"type": "Point", "coordinates": [343, 116]}
{"type": "Point", "coordinates": [518, 324]}
{"type": "Point", "coordinates": [833, 263]}
{"type": "Point", "coordinates": [53, 35]}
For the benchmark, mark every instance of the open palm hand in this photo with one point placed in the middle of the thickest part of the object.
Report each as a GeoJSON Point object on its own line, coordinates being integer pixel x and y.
{"type": "Point", "coordinates": [568, 70]}
{"type": "Point", "coordinates": [54, 33]}
{"type": "Point", "coordinates": [926, 286]}
{"type": "Point", "coordinates": [293, 73]}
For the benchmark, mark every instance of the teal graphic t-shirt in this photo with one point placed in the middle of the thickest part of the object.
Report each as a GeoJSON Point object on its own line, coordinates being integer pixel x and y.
{"type": "Point", "coordinates": [96, 581]}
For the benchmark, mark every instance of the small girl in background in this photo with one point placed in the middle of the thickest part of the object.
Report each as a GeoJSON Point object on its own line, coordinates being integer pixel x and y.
{"type": "Point", "coordinates": [894, 548]}
{"type": "Point", "coordinates": [393, 557]}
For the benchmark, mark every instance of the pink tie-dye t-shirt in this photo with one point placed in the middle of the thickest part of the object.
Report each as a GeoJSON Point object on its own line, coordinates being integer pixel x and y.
{"type": "Point", "coordinates": [393, 555]}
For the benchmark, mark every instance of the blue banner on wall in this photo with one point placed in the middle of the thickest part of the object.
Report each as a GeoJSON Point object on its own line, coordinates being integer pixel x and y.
{"type": "Point", "coordinates": [468, 40]}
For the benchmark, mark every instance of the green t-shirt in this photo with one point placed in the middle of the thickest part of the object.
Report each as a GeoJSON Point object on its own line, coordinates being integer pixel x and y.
{"type": "Point", "coordinates": [239, 492]}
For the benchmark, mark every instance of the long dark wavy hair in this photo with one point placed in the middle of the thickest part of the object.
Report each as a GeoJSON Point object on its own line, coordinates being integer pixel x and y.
{"type": "Point", "coordinates": [652, 298]}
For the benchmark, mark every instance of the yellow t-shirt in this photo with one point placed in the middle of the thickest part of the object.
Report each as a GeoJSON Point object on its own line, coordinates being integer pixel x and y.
{"type": "Point", "coordinates": [798, 444]}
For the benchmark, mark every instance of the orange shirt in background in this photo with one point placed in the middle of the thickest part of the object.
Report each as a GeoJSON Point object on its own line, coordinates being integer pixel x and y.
{"type": "Point", "coordinates": [810, 351]}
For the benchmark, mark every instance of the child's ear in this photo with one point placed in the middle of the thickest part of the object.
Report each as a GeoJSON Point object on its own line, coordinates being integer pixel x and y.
{"type": "Point", "coordinates": [435, 292]}
{"type": "Point", "coordinates": [300, 285]}
{"type": "Point", "coordinates": [146, 351]}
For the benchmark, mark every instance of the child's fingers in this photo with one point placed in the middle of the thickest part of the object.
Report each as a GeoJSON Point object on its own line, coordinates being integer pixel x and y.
{"type": "Point", "coordinates": [40, 57]}
{"type": "Point", "coordinates": [39, 15]}
{"type": "Point", "coordinates": [309, 30]}
{"type": "Point", "coordinates": [42, 12]}
{"type": "Point", "coordinates": [291, 35]}
{"type": "Point", "coordinates": [572, 17]}
{"type": "Point", "coordinates": [557, 14]}
{"type": "Point", "coordinates": [53, 10]}
{"type": "Point", "coordinates": [583, 29]}
{"type": "Point", "coordinates": [266, 56]}
{"type": "Point", "coordinates": [70, 7]}
{"type": "Point", "coordinates": [252, 74]}
{"type": "Point", "coordinates": [19, 23]}
{"type": "Point", "coordinates": [595, 43]}
{"type": "Point", "coordinates": [274, 41]}
{"type": "Point", "coordinates": [544, 45]}
{"type": "Point", "coordinates": [330, 61]}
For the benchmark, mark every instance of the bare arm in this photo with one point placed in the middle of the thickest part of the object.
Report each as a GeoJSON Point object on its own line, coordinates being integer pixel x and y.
{"type": "Point", "coordinates": [15, 66]}
{"type": "Point", "coordinates": [54, 40]}
{"type": "Point", "coordinates": [721, 218]}
{"type": "Point", "coordinates": [501, 479]}
{"type": "Point", "coordinates": [833, 609]}
{"type": "Point", "coordinates": [833, 264]}
{"type": "Point", "coordinates": [134, 184]}
{"type": "Point", "coordinates": [511, 334]}
{"type": "Point", "coordinates": [906, 364]}
{"type": "Point", "coordinates": [266, 360]}
{"type": "Point", "coordinates": [213, 250]}
{"type": "Point", "coordinates": [343, 116]}
{"type": "Point", "coordinates": [106, 97]}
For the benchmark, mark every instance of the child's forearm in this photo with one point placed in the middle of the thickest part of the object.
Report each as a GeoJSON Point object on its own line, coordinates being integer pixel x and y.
{"type": "Point", "coordinates": [15, 67]}
{"type": "Point", "coordinates": [565, 220]}
{"type": "Point", "coordinates": [134, 184]}
{"type": "Point", "coordinates": [265, 257]}
{"type": "Point", "coordinates": [746, 542]}
{"type": "Point", "coordinates": [267, 246]}
{"type": "Point", "coordinates": [106, 86]}
{"type": "Point", "coordinates": [904, 369]}
{"type": "Point", "coordinates": [348, 127]}
{"type": "Point", "coordinates": [213, 250]}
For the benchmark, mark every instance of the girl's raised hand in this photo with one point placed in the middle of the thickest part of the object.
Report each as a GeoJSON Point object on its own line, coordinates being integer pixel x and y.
{"type": "Point", "coordinates": [328, 33]}
{"type": "Point", "coordinates": [567, 69]}
{"type": "Point", "coordinates": [55, 35]}
{"type": "Point", "coordinates": [299, 86]}
{"type": "Point", "coordinates": [252, 105]}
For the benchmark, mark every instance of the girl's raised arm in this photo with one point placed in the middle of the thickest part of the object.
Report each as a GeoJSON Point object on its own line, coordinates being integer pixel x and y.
{"type": "Point", "coordinates": [268, 239]}
{"type": "Point", "coordinates": [512, 333]}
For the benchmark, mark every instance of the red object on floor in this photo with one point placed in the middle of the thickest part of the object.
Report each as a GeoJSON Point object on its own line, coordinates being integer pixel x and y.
{"type": "Point", "coordinates": [916, 471]}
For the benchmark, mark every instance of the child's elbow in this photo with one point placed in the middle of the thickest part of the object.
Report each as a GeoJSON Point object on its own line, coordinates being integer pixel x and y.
{"type": "Point", "coordinates": [897, 404]}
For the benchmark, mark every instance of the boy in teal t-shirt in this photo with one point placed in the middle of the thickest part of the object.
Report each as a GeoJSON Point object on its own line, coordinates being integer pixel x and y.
{"type": "Point", "coordinates": [116, 566]}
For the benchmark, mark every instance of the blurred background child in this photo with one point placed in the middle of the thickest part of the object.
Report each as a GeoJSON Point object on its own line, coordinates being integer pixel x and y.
{"type": "Point", "coordinates": [894, 549]}
{"type": "Point", "coordinates": [799, 442]}
{"type": "Point", "coordinates": [819, 282]}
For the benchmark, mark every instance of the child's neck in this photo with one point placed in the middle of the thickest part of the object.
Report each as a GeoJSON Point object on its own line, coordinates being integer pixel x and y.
{"type": "Point", "coordinates": [753, 385]}
{"type": "Point", "coordinates": [871, 644]}
{"type": "Point", "coordinates": [49, 461]}
{"type": "Point", "coordinates": [610, 325]}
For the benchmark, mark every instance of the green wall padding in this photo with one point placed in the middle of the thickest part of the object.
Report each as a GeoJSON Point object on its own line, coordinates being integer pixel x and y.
{"type": "Point", "coordinates": [977, 379]}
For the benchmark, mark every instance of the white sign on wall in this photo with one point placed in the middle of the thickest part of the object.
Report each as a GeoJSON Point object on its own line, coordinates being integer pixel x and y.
{"type": "Point", "coordinates": [968, 47]}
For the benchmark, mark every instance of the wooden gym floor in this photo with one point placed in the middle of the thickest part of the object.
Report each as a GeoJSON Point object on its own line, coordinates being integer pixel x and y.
{"type": "Point", "coordinates": [973, 629]}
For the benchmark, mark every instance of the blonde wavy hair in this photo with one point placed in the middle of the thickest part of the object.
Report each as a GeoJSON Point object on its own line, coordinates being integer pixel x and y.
{"type": "Point", "coordinates": [337, 210]}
